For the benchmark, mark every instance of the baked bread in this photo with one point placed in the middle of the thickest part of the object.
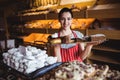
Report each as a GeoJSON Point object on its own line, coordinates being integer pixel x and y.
{"type": "Point", "coordinates": [96, 37]}
{"type": "Point", "coordinates": [61, 40]}
{"type": "Point", "coordinates": [56, 41]}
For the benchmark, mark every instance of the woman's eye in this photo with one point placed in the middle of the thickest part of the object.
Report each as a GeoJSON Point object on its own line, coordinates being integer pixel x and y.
{"type": "Point", "coordinates": [65, 19]}
{"type": "Point", "coordinates": [62, 19]}
{"type": "Point", "coordinates": [69, 18]}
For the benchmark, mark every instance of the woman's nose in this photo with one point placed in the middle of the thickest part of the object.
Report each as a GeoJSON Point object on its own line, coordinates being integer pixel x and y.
{"type": "Point", "coordinates": [65, 21]}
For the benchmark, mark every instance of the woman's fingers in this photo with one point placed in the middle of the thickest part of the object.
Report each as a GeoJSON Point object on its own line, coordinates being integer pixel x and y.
{"type": "Point", "coordinates": [66, 39]}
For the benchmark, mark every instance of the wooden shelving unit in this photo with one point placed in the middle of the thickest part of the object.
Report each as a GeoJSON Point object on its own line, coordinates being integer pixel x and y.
{"type": "Point", "coordinates": [104, 11]}
{"type": "Point", "coordinates": [104, 59]}
{"type": "Point", "coordinates": [47, 16]}
{"type": "Point", "coordinates": [107, 52]}
{"type": "Point", "coordinates": [99, 53]}
{"type": "Point", "coordinates": [106, 49]}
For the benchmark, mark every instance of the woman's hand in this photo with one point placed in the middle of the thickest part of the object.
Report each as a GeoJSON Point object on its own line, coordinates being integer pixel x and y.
{"type": "Point", "coordinates": [66, 39]}
{"type": "Point", "coordinates": [95, 42]}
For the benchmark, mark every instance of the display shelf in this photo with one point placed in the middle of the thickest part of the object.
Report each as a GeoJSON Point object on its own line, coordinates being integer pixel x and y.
{"type": "Point", "coordinates": [108, 51]}
{"type": "Point", "coordinates": [103, 48]}
{"type": "Point", "coordinates": [110, 34]}
{"type": "Point", "coordinates": [107, 55]}
{"type": "Point", "coordinates": [47, 16]}
{"type": "Point", "coordinates": [104, 11]}
{"type": "Point", "coordinates": [27, 31]}
{"type": "Point", "coordinates": [104, 59]}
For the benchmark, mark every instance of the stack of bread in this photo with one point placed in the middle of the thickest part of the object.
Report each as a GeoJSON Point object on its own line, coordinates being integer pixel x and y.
{"type": "Point", "coordinates": [81, 71]}
{"type": "Point", "coordinates": [28, 60]}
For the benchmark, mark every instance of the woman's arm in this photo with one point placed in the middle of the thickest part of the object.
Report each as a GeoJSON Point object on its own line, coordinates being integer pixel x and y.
{"type": "Point", "coordinates": [55, 48]}
{"type": "Point", "coordinates": [57, 52]}
{"type": "Point", "coordinates": [85, 50]}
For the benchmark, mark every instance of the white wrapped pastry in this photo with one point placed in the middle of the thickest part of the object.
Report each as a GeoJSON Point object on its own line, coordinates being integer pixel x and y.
{"type": "Point", "coordinates": [51, 60]}
{"type": "Point", "coordinates": [40, 64]}
{"type": "Point", "coordinates": [13, 50]}
{"type": "Point", "coordinates": [34, 59]}
{"type": "Point", "coordinates": [18, 54]}
{"type": "Point", "coordinates": [28, 53]}
{"type": "Point", "coordinates": [29, 70]}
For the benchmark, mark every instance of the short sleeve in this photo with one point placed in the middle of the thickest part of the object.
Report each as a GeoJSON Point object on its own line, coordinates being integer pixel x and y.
{"type": "Point", "coordinates": [55, 35]}
{"type": "Point", "coordinates": [79, 34]}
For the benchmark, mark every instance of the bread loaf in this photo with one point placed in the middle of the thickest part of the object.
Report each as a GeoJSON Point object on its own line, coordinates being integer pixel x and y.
{"type": "Point", "coordinates": [56, 41]}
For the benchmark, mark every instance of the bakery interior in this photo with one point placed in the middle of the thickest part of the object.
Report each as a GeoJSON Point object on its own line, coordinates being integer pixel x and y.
{"type": "Point", "coordinates": [30, 22]}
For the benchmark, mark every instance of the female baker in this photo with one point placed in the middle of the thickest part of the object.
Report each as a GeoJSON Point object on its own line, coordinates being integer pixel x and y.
{"type": "Point", "coordinates": [72, 51]}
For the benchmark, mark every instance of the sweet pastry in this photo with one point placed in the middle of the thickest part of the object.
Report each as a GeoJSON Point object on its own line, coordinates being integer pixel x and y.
{"type": "Point", "coordinates": [70, 71]}
{"type": "Point", "coordinates": [28, 62]}
{"type": "Point", "coordinates": [113, 74]}
{"type": "Point", "coordinates": [76, 70]}
{"type": "Point", "coordinates": [100, 73]}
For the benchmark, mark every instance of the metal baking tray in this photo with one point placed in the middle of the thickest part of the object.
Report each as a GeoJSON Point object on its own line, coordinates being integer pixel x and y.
{"type": "Point", "coordinates": [35, 74]}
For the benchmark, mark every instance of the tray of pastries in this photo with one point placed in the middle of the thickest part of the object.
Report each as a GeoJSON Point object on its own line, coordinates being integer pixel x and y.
{"type": "Point", "coordinates": [28, 61]}
{"type": "Point", "coordinates": [76, 70]}
{"type": "Point", "coordinates": [33, 75]}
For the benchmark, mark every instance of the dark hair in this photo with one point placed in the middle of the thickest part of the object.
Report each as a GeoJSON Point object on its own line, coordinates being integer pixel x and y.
{"type": "Point", "coordinates": [65, 10]}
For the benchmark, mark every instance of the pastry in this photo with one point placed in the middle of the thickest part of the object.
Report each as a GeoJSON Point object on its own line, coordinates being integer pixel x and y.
{"type": "Point", "coordinates": [28, 62]}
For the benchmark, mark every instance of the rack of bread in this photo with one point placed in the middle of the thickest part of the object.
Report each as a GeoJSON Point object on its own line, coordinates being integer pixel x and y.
{"type": "Point", "coordinates": [36, 39]}
{"type": "Point", "coordinates": [54, 24]}
{"type": "Point", "coordinates": [45, 6]}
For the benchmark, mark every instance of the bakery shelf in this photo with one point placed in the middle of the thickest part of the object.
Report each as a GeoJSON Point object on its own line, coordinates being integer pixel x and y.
{"type": "Point", "coordinates": [104, 59]}
{"type": "Point", "coordinates": [110, 34]}
{"type": "Point", "coordinates": [103, 48]}
{"type": "Point", "coordinates": [47, 16]}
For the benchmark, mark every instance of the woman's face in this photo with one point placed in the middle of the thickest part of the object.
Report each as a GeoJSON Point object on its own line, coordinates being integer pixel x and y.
{"type": "Point", "coordinates": [66, 20]}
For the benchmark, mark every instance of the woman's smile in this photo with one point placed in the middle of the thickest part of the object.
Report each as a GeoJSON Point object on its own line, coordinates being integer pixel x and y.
{"type": "Point", "coordinates": [66, 20]}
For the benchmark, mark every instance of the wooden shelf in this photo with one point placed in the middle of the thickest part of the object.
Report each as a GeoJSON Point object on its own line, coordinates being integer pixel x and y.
{"type": "Point", "coordinates": [104, 59]}
{"type": "Point", "coordinates": [47, 16]}
{"type": "Point", "coordinates": [110, 34]}
{"type": "Point", "coordinates": [106, 49]}
{"type": "Point", "coordinates": [104, 11]}
{"type": "Point", "coordinates": [38, 30]}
